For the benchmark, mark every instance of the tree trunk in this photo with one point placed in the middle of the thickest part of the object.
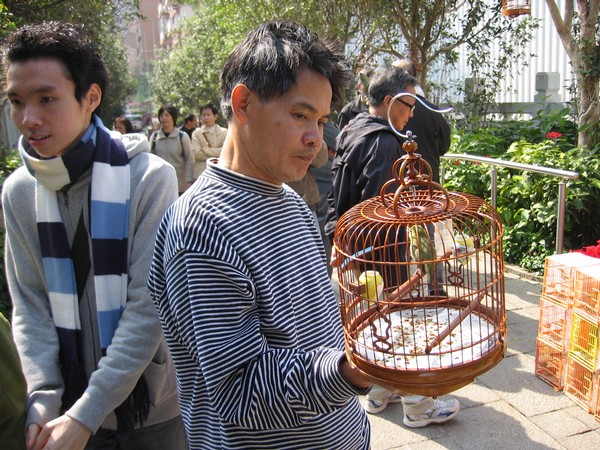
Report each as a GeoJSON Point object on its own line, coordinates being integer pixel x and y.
{"type": "Point", "coordinates": [588, 76]}
{"type": "Point", "coordinates": [584, 54]}
{"type": "Point", "coordinates": [589, 111]}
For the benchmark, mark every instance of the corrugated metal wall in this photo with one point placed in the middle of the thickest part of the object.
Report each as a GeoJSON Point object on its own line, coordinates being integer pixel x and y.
{"type": "Point", "coordinates": [550, 56]}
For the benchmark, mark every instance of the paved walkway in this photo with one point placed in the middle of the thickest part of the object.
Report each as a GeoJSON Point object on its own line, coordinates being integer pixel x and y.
{"type": "Point", "coordinates": [505, 408]}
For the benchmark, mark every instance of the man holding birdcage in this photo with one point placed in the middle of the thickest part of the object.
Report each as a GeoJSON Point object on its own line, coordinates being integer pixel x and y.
{"type": "Point", "coordinates": [239, 275]}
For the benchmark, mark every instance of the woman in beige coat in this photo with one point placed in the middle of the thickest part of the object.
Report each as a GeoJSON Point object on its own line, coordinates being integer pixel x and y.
{"type": "Point", "coordinates": [207, 140]}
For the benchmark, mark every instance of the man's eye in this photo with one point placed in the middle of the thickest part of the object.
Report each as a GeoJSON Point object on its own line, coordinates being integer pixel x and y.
{"type": "Point", "coordinates": [46, 99]}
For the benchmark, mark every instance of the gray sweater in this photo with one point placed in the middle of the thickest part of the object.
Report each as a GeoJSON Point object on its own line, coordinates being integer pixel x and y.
{"type": "Point", "coordinates": [138, 345]}
{"type": "Point", "coordinates": [177, 151]}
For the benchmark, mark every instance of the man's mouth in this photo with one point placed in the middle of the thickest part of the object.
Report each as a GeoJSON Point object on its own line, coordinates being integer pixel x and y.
{"type": "Point", "coordinates": [308, 158]}
{"type": "Point", "coordinates": [38, 138]}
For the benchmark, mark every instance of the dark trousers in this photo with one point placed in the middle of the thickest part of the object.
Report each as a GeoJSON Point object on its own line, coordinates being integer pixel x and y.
{"type": "Point", "coordinates": [162, 436]}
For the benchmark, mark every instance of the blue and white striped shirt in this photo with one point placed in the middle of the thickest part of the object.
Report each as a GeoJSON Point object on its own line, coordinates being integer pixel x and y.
{"type": "Point", "coordinates": [241, 286]}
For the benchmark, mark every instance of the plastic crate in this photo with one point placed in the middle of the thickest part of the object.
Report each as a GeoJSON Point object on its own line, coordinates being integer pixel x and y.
{"type": "Point", "coordinates": [583, 343]}
{"type": "Point", "coordinates": [579, 383]}
{"type": "Point", "coordinates": [559, 274]}
{"type": "Point", "coordinates": [554, 324]}
{"type": "Point", "coordinates": [550, 360]}
{"type": "Point", "coordinates": [587, 292]}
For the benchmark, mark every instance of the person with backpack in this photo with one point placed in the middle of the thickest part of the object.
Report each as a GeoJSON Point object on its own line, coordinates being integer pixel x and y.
{"type": "Point", "coordinates": [174, 146]}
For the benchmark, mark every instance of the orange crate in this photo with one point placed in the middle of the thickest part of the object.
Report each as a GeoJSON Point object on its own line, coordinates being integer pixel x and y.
{"type": "Point", "coordinates": [596, 406]}
{"type": "Point", "coordinates": [559, 273]}
{"type": "Point", "coordinates": [583, 343]}
{"type": "Point", "coordinates": [587, 292]}
{"type": "Point", "coordinates": [550, 362]}
{"type": "Point", "coordinates": [579, 383]}
{"type": "Point", "coordinates": [554, 322]}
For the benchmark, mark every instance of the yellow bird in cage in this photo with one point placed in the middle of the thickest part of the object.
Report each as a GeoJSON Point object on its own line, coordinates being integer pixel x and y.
{"type": "Point", "coordinates": [371, 284]}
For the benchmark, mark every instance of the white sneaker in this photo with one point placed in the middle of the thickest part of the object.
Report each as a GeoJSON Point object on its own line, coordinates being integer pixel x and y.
{"type": "Point", "coordinates": [440, 412]}
{"type": "Point", "coordinates": [376, 406]}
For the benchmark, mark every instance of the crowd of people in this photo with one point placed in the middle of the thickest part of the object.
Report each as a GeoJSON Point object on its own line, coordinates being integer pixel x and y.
{"type": "Point", "coordinates": [174, 291]}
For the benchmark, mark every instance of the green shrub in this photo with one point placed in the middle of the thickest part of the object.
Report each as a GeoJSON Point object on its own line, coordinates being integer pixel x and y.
{"type": "Point", "coordinates": [527, 201]}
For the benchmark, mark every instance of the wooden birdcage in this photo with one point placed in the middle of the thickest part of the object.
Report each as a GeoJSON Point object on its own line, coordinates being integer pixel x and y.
{"type": "Point", "coordinates": [421, 278]}
{"type": "Point", "coordinates": [515, 8]}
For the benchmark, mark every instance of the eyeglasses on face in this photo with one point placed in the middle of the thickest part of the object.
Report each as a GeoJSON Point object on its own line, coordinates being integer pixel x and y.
{"type": "Point", "coordinates": [411, 107]}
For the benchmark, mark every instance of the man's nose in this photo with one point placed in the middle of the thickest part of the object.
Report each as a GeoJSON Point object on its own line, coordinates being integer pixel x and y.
{"type": "Point", "coordinates": [31, 116]}
{"type": "Point", "coordinates": [314, 136]}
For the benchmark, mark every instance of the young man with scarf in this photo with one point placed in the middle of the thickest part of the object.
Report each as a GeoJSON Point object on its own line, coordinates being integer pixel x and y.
{"type": "Point", "coordinates": [80, 215]}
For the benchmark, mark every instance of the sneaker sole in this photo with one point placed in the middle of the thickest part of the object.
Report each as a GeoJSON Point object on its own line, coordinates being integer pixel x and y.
{"type": "Point", "coordinates": [424, 423]}
{"type": "Point", "coordinates": [371, 410]}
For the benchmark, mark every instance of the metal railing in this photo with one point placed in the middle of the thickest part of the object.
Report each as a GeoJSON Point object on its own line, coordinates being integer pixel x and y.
{"type": "Point", "coordinates": [562, 187]}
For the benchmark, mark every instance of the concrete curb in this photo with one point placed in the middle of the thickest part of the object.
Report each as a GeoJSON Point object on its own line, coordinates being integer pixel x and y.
{"type": "Point", "coordinates": [522, 273]}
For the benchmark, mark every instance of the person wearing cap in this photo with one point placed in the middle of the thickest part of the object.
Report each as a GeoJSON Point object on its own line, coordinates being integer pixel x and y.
{"type": "Point", "coordinates": [430, 128]}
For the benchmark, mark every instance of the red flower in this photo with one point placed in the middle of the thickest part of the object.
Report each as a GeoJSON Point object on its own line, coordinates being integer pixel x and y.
{"type": "Point", "coordinates": [554, 135]}
{"type": "Point", "coordinates": [592, 250]}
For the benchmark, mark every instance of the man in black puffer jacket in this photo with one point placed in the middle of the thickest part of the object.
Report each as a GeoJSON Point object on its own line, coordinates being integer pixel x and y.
{"type": "Point", "coordinates": [366, 151]}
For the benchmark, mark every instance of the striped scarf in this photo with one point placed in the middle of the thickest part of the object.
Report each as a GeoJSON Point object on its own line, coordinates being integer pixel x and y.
{"type": "Point", "coordinates": [109, 223]}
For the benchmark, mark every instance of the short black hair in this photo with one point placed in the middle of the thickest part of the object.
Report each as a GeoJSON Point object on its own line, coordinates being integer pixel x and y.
{"type": "Point", "coordinates": [189, 117]}
{"type": "Point", "coordinates": [210, 106]}
{"type": "Point", "coordinates": [65, 42]}
{"type": "Point", "coordinates": [269, 58]}
{"type": "Point", "coordinates": [171, 110]}
{"type": "Point", "coordinates": [388, 80]}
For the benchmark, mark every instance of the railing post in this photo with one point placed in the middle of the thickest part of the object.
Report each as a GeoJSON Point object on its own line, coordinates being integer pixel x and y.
{"type": "Point", "coordinates": [494, 185]}
{"type": "Point", "coordinates": [560, 216]}
{"type": "Point", "coordinates": [494, 176]}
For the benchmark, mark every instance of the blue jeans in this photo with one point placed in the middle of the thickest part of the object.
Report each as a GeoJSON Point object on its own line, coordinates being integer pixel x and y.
{"type": "Point", "coordinates": [166, 435]}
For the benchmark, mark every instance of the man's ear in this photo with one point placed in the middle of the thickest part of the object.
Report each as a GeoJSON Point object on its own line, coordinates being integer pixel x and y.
{"type": "Point", "coordinates": [386, 101]}
{"type": "Point", "coordinates": [240, 100]}
{"type": "Point", "coordinates": [93, 97]}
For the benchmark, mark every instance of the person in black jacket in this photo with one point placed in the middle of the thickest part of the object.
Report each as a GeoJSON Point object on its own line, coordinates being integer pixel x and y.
{"type": "Point", "coordinates": [431, 129]}
{"type": "Point", "coordinates": [190, 123]}
{"type": "Point", "coordinates": [366, 151]}
{"type": "Point", "coordinates": [367, 147]}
